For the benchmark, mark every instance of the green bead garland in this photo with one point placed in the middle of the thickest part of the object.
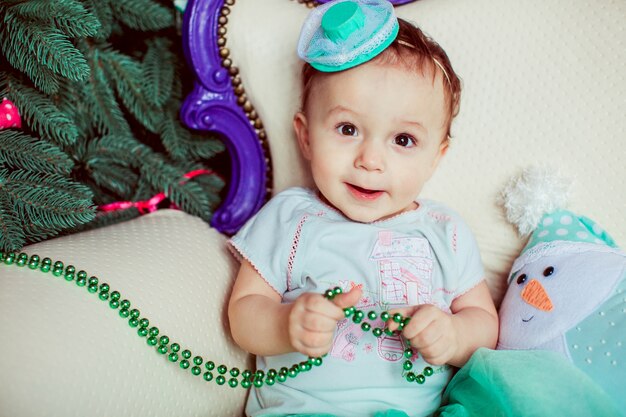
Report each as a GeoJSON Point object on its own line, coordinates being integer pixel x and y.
{"type": "Point", "coordinates": [162, 344]}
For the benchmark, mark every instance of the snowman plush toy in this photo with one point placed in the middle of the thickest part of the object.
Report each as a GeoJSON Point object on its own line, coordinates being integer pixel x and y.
{"type": "Point", "coordinates": [567, 288]}
{"type": "Point", "coordinates": [562, 342]}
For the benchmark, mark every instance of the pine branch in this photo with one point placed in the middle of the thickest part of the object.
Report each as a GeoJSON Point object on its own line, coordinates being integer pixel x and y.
{"type": "Point", "coordinates": [19, 150]}
{"type": "Point", "coordinates": [41, 114]}
{"type": "Point", "coordinates": [126, 75]}
{"type": "Point", "coordinates": [74, 99]}
{"type": "Point", "coordinates": [205, 147]}
{"type": "Point", "coordinates": [158, 72]}
{"type": "Point", "coordinates": [159, 174]}
{"type": "Point", "coordinates": [143, 14]}
{"type": "Point", "coordinates": [211, 183]}
{"type": "Point", "coordinates": [177, 87]}
{"type": "Point", "coordinates": [42, 77]}
{"type": "Point", "coordinates": [181, 145]}
{"type": "Point", "coordinates": [101, 9]}
{"type": "Point", "coordinates": [109, 174]}
{"type": "Point", "coordinates": [185, 194]}
{"type": "Point", "coordinates": [48, 201]}
{"type": "Point", "coordinates": [36, 233]}
{"type": "Point", "coordinates": [101, 195]}
{"type": "Point", "coordinates": [69, 16]}
{"type": "Point", "coordinates": [144, 190]}
{"type": "Point", "coordinates": [47, 45]}
{"type": "Point", "coordinates": [11, 235]}
{"type": "Point", "coordinates": [119, 147]}
{"type": "Point", "coordinates": [112, 111]}
{"type": "Point", "coordinates": [176, 140]}
{"type": "Point", "coordinates": [77, 22]}
{"type": "Point", "coordinates": [191, 198]}
{"type": "Point", "coordinates": [102, 105]}
{"type": "Point", "coordinates": [103, 219]}
{"type": "Point", "coordinates": [112, 162]}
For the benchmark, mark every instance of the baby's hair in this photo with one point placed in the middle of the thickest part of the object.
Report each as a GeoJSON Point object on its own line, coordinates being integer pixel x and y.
{"type": "Point", "coordinates": [413, 49]}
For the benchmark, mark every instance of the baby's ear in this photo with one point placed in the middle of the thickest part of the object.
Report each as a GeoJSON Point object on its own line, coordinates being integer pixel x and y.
{"type": "Point", "coordinates": [301, 128]}
{"type": "Point", "coordinates": [443, 148]}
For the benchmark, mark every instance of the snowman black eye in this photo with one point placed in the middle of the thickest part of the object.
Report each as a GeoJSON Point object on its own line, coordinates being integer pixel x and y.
{"type": "Point", "coordinates": [521, 279]}
{"type": "Point", "coordinates": [548, 271]}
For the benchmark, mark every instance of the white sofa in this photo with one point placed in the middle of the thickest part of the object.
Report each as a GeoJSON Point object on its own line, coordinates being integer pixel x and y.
{"type": "Point", "coordinates": [544, 83]}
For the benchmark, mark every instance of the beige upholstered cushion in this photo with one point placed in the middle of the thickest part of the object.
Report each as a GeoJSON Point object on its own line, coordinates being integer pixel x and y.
{"type": "Point", "coordinates": [65, 353]}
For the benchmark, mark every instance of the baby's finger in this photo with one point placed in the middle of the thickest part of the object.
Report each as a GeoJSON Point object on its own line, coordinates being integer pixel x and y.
{"type": "Point", "coordinates": [313, 343]}
{"type": "Point", "coordinates": [439, 359]}
{"type": "Point", "coordinates": [405, 313]}
{"type": "Point", "coordinates": [318, 323]}
{"type": "Point", "coordinates": [421, 318]}
{"type": "Point", "coordinates": [348, 299]}
{"type": "Point", "coordinates": [316, 305]}
{"type": "Point", "coordinates": [317, 340]}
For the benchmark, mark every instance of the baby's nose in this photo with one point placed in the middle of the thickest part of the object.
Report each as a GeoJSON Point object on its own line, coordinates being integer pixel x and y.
{"type": "Point", "coordinates": [370, 157]}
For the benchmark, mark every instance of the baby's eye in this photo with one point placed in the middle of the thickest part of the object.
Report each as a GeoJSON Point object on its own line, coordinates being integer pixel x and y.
{"type": "Point", "coordinates": [347, 129]}
{"type": "Point", "coordinates": [405, 141]}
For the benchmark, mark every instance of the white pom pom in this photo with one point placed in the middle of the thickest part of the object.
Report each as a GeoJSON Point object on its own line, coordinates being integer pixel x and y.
{"type": "Point", "coordinates": [537, 191]}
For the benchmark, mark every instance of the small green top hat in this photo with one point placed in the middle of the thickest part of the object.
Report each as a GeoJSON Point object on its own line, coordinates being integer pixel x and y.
{"type": "Point", "coordinates": [345, 33]}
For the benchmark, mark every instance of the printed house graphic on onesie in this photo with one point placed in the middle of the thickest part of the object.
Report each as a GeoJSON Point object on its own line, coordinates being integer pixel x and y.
{"type": "Point", "coordinates": [404, 266]}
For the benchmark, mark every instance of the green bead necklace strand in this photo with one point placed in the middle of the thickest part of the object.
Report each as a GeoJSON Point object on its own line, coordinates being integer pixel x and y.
{"type": "Point", "coordinates": [232, 377]}
{"type": "Point", "coordinates": [359, 315]}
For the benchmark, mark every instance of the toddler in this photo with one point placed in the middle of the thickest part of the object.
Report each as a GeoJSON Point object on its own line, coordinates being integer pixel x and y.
{"type": "Point", "coordinates": [378, 100]}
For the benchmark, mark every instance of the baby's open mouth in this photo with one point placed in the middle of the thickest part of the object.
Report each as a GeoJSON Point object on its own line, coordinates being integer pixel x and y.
{"type": "Point", "coordinates": [364, 190]}
{"type": "Point", "coordinates": [364, 193]}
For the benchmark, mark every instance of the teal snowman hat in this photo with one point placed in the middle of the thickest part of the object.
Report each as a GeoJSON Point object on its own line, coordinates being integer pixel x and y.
{"type": "Point", "coordinates": [565, 226]}
{"type": "Point", "coordinates": [534, 203]}
{"type": "Point", "coordinates": [342, 34]}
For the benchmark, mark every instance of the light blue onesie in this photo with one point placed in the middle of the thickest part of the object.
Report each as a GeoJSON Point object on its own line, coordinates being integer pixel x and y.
{"type": "Point", "coordinates": [299, 244]}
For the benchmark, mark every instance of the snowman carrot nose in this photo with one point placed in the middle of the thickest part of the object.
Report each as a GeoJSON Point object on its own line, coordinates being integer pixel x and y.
{"type": "Point", "coordinates": [535, 295]}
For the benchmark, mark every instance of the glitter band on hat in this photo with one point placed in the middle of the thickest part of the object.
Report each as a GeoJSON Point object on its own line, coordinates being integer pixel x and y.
{"type": "Point", "coordinates": [342, 34]}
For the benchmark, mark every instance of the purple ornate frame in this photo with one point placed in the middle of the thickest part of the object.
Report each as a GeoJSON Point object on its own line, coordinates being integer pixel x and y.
{"type": "Point", "coordinates": [213, 106]}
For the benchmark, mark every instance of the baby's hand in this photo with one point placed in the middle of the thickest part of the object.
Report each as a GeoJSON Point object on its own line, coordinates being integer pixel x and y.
{"type": "Point", "coordinates": [313, 320]}
{"type": "Point", "coordinates": [430, 331]}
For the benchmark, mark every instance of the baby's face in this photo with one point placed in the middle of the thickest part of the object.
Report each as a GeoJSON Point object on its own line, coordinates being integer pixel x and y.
{"type": "Point", "coordinates": [373, 136]}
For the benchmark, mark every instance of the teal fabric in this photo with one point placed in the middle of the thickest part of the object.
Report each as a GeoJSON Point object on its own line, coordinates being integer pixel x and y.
{"type": "Point", "coordinates": [518, 383]}
{"type": "Point", "coordinates": [523, 383]}
{"type": "Point", "coordinates": [597, 344]}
